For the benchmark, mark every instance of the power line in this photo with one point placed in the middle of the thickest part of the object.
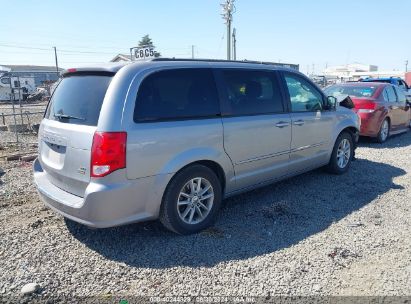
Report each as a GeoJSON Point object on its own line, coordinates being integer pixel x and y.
{"type": "Point", "coordinates": [73, 51]}
{"type": "Point", "coordinates": [85, 52]}
{"type": "Point", "coordinates": [23, 47]}
{"type": "Point", "coordinates": [220, 45]}
{"type": "Point", "coordinates": [40, 45]}
{"type": "Point", "coordinates": [44, 49]}
{"type": "Point", "coordinates": [21, 52]}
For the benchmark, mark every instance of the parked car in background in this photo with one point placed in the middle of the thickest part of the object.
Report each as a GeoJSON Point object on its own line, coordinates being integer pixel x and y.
{"type": "Point", "coordinates": [170, 139]}
{"type": "Point", "coordinates": [383, 107]}
{"type": "Point", "coordinates": [396, 81]}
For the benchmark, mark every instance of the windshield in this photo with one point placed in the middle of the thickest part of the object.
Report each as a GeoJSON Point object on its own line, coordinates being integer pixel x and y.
{"type": "Point", "coordinates": [355, 91]}
{"type": "Point", "coordinates": [78, 99]}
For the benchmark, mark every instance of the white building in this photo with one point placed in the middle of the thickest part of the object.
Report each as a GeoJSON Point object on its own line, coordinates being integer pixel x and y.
{"type": "Point", "coordinates": [349, 71]}
{"type": "Point", "coordinates": [121, 57]}
{"type": "Point", "coordinates": [355, 71]}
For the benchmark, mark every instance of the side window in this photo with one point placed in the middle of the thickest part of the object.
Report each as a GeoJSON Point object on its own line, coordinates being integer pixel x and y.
{"type": "Point", "coordinates": [401, 96]}
{"type": "Point", "coordinates": [303, 95]}
{"type": "Point", "coordinates": [252, 92]}
{"type": "Point", "coordinates": [401, 85]}
{"type": "Point", "coordinates": [385, 94]}
{"type": "Point", "coordinates": [391, 94]}
{"type": "Point", "coordinates": [177, 94]}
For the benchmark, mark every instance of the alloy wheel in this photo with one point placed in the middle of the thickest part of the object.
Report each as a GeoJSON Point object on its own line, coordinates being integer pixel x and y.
{"type": "Point", "coordinates": [195, 200]}
{"type": "Point", "coordinates": [343, 153]}
{"type": "Point", "coordinates": [384, 130]}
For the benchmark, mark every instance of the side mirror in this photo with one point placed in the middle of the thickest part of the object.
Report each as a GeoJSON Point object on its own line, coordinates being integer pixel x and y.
{"type": "Point", "coordinates": [331, 103]}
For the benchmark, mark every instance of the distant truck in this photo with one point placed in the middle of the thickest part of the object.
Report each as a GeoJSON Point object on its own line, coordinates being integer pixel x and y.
{"type": "Point", "coordinates": [15, 88]}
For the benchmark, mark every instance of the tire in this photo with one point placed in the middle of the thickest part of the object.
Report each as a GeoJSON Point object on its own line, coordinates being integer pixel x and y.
{"type": "Point", "coordinates": [383, 135]}
{"type": "Point", "coordinates": [181, 193]}
{"type": "Point", "coordinates": [335, 165]}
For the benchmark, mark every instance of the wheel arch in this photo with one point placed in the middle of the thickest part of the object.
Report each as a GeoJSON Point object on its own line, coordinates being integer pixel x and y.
{"type": "Point", "coordinates": [353, 131]}
{"type": "Point", "coordinates": [212, 165]}
{"type": "Point", "coordinates": [387, 117]}
{"type": "Point", "coordinates": [218, 161]}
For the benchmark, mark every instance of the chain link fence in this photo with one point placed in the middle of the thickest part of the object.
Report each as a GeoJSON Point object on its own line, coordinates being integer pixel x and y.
{"type": "Point", "coordinates": [21, 111]}
{"type": "Point", "coordinates": [19, 123]}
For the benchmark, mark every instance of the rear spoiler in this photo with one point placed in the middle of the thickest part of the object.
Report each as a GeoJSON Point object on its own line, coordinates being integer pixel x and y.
{"type": "Point", "coordinates": [76, 72]}
{"type": "Point", "coordinates": [108, 68]}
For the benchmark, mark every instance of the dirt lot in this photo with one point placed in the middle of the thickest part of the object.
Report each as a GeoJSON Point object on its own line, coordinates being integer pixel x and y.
{"type": "Point", "coordinates": [316, 234]}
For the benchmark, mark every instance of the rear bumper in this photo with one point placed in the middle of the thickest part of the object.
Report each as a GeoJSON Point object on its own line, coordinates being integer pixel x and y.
{"type": "Point", "coordinates": [370, 123]}
{"type": "Point", "coordinates": [104, 205]}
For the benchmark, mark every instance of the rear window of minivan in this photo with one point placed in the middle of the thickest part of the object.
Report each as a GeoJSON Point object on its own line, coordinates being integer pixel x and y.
{"type": "Point", "coordinates": [177, 94]}
{"type": "Point", "coordinates": [78, 98]}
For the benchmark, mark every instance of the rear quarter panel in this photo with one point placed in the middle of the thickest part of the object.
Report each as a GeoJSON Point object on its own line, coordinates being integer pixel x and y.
{"type": "Point", "coordinates": [164, 147]}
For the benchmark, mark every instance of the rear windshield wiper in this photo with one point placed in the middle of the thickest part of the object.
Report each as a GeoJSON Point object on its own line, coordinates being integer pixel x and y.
{"type": "Point", "coordinates": [65, 116]}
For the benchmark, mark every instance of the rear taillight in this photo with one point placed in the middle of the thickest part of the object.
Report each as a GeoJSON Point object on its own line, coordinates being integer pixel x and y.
{"type": "Point", "coordinates": [367, 107]}
{"type": "Point", "coordinates": [108, 153]}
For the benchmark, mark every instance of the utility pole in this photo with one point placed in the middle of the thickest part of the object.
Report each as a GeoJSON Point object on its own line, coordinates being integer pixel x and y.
{"type": "Point", "coordinates": [192, 52]}
{"type": "Point", "coordinates": [228, 10]}
{"type": "Point", "coordinates": [234, 44]}
{"type": "Point", "coordinates": [406, 66]}
{"type": "Point", "coordinates": [55, 57]}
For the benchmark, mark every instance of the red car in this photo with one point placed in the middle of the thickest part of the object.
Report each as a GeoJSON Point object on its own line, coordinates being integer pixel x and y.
{"type": "Point", "coordinates": [383, 108]}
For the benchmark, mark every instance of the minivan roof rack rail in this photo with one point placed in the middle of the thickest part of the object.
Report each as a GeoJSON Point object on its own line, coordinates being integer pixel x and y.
{"type": "Point", "coordinates": [217, 60]}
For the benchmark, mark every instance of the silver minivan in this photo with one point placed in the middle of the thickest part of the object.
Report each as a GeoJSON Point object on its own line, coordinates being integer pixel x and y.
{"type": "Point", "coordinates": [170, 139]}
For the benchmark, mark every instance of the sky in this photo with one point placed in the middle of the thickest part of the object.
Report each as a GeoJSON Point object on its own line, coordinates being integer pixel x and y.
{"type": "Point", "coordinates": [314, 34]}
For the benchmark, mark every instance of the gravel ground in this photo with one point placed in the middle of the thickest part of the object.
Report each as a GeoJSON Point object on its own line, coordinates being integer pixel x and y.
{"type": "Point", "coordinates": [9, 138]}
{"type": "Point", "coordinates": [316, 234]}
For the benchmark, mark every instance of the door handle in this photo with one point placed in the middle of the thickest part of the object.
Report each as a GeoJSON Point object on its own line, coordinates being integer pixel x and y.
{"type": "Point", "coordinates": [282, 124]}
{"type": "Point", "coordinates": [299, 122]}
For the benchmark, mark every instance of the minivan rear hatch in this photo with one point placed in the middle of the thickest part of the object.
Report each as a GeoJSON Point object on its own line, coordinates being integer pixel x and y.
{"type": "Point", "coordinates": [66, 132]}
